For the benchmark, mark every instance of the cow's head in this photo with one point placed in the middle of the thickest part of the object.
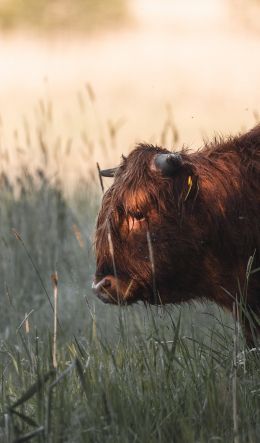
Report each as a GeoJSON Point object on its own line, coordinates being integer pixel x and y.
{"type": "Point", "coordinates": [147, 234]}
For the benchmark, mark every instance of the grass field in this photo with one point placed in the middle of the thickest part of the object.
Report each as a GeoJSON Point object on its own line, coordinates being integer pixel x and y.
{"type": "Point", "coordinates": [177, 374]}
{"type": "Point", "coordinates": [110, 374]}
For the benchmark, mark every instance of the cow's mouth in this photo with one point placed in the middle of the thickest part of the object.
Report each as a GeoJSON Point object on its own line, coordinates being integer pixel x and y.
{"type": "Point", "coordinates": [115, 291]}
{"type": "Point", "coordinates": [108, 291]}
{"type": "Point", "coordinates": [119, 292]}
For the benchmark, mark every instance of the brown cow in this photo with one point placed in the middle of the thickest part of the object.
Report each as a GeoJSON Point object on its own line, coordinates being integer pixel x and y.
{"type": "Point", "coordinates": [175, 227]}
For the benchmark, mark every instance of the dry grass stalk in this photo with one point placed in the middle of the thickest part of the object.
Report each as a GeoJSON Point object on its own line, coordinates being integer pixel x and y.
{"type": "Point", "coordinates": [234, 377]}
{"type": "Point", "coordinates": [23, 323]}
{"type": "Point", "coordinates": [111, 251]}
{"type": "Point", "coordinates": [26, 324]}
{"type": "Point", "coordinates": [78, 235]}
{"type": "Point", "coordinates": [100, 178]}
{"type": "Point", "coordinates": [151, 256]}
{"type": "Point", "coordinates": [7, 427]}
{"type": "Point", "coordinates": [9, 296]}
{"type": "Point", "coordinates": [54, 279]}
{"type": "Point", "coordinates": [91, 93]}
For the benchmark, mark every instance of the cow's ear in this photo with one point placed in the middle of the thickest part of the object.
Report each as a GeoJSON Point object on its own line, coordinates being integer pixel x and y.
{"type": "Point", "coordinates": [168, 164]}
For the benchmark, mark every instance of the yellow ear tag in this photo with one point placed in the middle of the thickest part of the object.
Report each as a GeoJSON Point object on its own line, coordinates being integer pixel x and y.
{"type": "Point", "coordinates": [189, 187]}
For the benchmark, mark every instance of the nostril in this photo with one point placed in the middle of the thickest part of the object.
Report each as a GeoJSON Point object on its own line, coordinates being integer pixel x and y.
{"type": "Point", "coordinates": [106, 282]}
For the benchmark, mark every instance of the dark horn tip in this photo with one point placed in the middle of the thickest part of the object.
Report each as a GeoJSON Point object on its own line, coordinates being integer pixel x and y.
{"type": "Point", "coordinates": [174, 159]}
{"type": "Point", "coordinates": [168, 163]}
{"type": "Point", "coordinates": [108, 172]}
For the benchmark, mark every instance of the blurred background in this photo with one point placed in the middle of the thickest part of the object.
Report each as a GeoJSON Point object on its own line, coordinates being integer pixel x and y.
{"type": "Point", "coordinates": [95, 77]}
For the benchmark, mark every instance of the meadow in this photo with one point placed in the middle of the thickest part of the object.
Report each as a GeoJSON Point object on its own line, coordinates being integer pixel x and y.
{"type": "Point", "coordinates": [81, 371]}
{"type": "Point", "coordinates": [71, 368]}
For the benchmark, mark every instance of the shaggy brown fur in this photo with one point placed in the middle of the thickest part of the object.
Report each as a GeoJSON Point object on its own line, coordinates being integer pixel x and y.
{"type": "Point", "coordinates": [203, 224]}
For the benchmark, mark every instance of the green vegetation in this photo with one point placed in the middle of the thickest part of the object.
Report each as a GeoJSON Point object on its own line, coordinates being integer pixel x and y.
{"type": "Point", "coordinates": [57, 15]}
{"type": "Point", "coordinates": [123, 374]}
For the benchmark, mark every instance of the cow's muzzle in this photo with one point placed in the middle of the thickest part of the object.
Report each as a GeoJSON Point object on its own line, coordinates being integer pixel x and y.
{"type": "Point", "coordinates": [107, 289]}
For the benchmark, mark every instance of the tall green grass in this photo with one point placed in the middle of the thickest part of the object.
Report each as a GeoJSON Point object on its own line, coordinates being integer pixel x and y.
{"type": "Point", "coordinates": [140, 386]}
{"type": "Point", "coordinates": [134, 374]}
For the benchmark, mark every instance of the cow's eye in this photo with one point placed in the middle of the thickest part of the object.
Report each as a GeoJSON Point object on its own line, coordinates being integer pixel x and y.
{"type": "Point", "coordinates": [137, 215]}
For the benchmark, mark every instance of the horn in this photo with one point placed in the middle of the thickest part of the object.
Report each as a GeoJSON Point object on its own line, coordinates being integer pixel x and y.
{"type": "Point", "coordinates": [108, 172]}
{"type": "Point", "coordinates": [168, 164]}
